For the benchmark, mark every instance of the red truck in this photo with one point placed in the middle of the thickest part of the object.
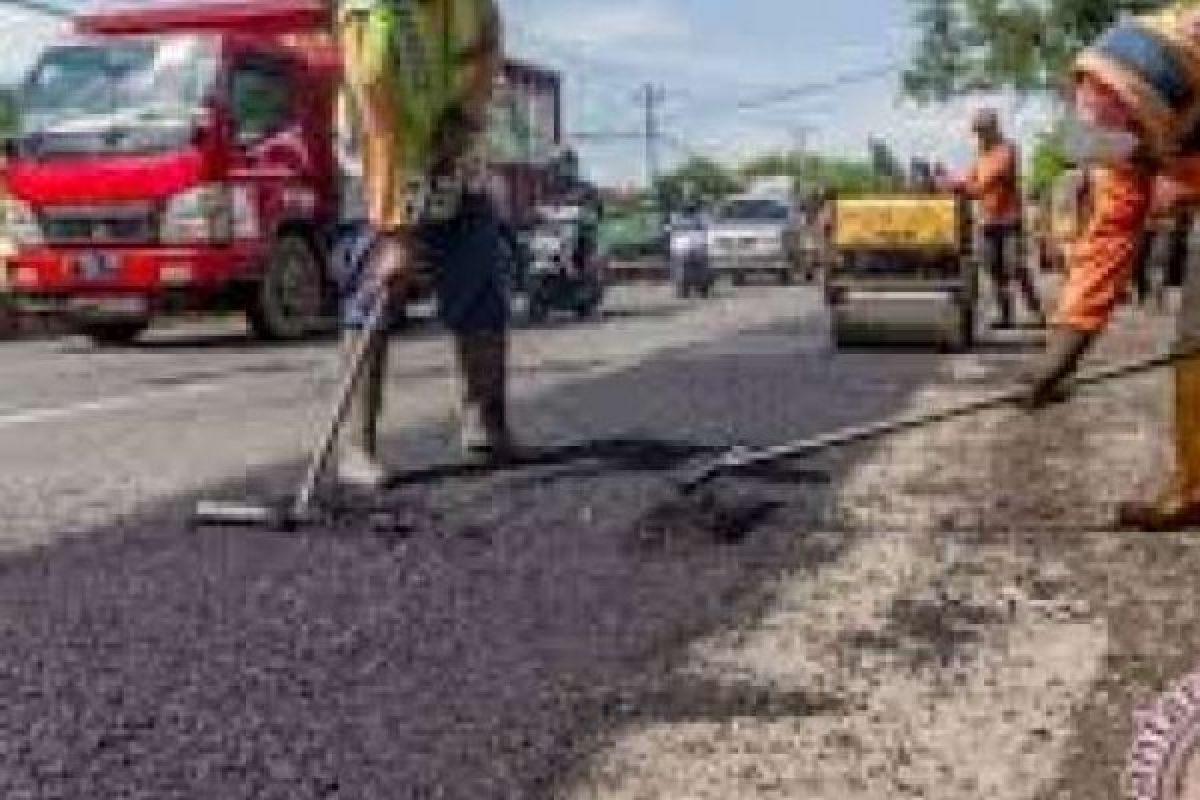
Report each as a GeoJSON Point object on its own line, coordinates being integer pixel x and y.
{"type": "Point", "coordinates": [179, 157]}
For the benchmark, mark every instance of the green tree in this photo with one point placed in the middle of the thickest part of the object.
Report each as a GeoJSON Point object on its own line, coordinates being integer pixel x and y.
{"type": "Point", "coordinates": [1049, 162]}
{"type": "Point", "coordinates": [8, 112]}
{"type": "Point", "coordinates": [810, 172]}
{"type": "Point", "coordinates": [697, 180]}
{"type": "Point", "coordinates": [1025, 45]}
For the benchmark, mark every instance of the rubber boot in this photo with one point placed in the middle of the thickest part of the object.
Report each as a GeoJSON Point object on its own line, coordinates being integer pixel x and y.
{"type": "Point", "coordinates": [1026, 281]}
{"type": "Point", "coordinates": [1033, 300]}
{"type": "Point", "coordinates": [1178, 506]}
{"type": "Point", "coordinates": [358, 463]}
{"type": "Point", "coordinates": [1047, 383]}
{"type": "Point", "coordinates": [1004, 306]}
{"type": "Point", "coordinates": [483, 376]}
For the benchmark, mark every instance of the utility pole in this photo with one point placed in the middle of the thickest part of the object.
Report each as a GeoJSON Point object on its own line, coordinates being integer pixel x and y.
{"type": "Point", "coordinates": [800, 135]}
{"type": "Point", "coordinates": [651, 97]}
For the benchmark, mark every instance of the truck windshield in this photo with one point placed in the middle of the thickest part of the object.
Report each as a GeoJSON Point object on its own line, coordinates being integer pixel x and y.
{"type": "Point", "coordinates": [754, 211]}
{"type": "Point", "coordinates": [136, 95]}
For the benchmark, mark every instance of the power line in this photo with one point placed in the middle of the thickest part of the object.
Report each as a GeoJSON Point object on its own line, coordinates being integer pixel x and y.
{"type": "Point", "coordinates": [817, 87]}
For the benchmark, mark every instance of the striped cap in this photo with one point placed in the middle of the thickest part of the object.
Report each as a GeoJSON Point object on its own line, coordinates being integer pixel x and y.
{"type": "Point", "coordinates": [1152, 64]}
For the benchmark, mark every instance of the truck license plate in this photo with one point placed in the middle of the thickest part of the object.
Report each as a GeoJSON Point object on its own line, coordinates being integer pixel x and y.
{"type": "Point", "coordinates": [97, 266]}
{"type": "Point", "coordinates": [124, 305]}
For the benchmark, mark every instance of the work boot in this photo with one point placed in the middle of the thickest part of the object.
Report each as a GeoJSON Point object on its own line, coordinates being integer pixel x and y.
{"type": "Point", "coordinates": [483, 375]}
{"type": "Point", "coordinates": [358, 463]}
{"type": "Point", "coordinates": [1178, 506]}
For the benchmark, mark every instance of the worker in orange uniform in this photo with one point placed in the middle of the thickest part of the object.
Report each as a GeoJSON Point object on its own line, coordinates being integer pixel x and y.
{"type": "Point", "coordinates": [994, 183]}
{"type": "Point", "coordinates": [1135, 122]}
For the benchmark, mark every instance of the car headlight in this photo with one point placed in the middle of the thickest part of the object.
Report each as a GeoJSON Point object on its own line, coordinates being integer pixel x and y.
{"type": "Point", "coordinates": [20, 223]}
{"type": "Point", "coordinates": [212, 214]}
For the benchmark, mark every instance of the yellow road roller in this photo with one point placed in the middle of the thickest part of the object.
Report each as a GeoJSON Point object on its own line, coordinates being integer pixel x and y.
{"type": "Point", "coordinates": [902, 271]}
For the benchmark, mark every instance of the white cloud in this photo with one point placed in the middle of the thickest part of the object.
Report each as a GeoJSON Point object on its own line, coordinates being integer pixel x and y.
{"type": "Point", "coordinates": [614, 24]}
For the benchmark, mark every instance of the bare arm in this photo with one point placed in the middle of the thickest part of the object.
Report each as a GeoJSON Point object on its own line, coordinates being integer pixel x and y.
{"type": "Point", "coordinates": [374, 113]}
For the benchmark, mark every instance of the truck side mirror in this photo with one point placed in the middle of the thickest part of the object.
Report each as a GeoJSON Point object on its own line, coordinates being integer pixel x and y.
{"type": "Point", "coordinates": [8, 147]}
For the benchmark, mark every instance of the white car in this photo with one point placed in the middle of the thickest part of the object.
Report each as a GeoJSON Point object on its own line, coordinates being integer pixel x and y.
{"type": "Point", "coordinates": [750, 237]}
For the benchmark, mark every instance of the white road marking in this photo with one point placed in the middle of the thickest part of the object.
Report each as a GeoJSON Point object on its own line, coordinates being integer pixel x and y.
{"type": "Point", "coordinates": [105, 405]}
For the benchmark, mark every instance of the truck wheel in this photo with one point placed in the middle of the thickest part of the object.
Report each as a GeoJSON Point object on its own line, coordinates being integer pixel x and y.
{"type": "Point", "coordinates": [589, 304]}
{"type": "Point", "coordinates": [538, 304]}
{"type": "Point", "coordinates": [113, 333]}
{"type": "Point", "coordinates": [287, 301]}
{"type": "Point", "coordinates": [786, 278]}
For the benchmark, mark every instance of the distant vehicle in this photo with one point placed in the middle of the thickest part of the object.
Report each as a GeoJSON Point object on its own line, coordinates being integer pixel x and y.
{"type": "Point", "coordinates": [565, 272]}
{"type": "Point", "coordinates": [180, 158]}
{"type": "Point", "coordinates": [753, 236]}
{"type": "Point", "coordinates": [691, 270]}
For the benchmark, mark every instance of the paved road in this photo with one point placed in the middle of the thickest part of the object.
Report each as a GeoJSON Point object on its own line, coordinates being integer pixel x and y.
{"type": "Point", "coordinates": [939, 615]}
{"type": "Point", "coordinates": [89, 435]}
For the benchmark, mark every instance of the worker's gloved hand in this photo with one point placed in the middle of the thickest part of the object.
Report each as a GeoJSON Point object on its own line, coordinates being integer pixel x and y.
{"type": "Point", "coordinates": [1048, 382]}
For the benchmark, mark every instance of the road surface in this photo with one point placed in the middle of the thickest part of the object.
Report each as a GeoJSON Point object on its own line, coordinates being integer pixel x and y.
{"type": "Point", "coordinates": [938, 615]}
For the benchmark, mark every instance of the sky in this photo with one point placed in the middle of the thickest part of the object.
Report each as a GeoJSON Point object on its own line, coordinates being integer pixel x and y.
{"type": "Point", "coordinates": [708, 57]}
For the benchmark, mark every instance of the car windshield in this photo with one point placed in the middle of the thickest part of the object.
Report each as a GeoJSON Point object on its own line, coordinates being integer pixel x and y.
{"type": "Point", "coordinates": [136, 94]}
{"type": "Point", "coordinates": [754, 211]}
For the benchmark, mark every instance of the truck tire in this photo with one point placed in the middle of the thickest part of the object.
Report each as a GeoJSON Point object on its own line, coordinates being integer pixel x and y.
{"type": "Point", "coordinates": [112, 334]}
{"type": "Point", "coordinates": [538, 304]}
{"type": "Point", "coordinates": [287, 302]}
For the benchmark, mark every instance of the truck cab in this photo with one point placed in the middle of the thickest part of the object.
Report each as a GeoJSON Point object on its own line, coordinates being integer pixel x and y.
{"type": "Point", "coordinates": [177, 158]}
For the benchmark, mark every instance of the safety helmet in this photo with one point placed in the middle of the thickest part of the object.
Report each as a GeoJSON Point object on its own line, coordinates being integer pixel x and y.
{"type": "Point", "coordinates": [1152, 66]}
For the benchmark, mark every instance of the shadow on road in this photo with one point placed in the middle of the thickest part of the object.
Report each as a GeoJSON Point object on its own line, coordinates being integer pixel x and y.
{"type": "Point", "coordinates": [482, 650]}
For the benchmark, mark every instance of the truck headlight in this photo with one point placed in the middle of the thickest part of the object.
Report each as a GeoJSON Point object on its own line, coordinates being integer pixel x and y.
{"type": "Point", "coordinates": [212, 214]}
{"type": "Point", "coordinates": [20, 223]}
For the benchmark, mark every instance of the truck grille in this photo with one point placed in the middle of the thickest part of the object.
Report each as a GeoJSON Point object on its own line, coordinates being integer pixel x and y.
{"type": "Point", "coordinates": [99, 225]}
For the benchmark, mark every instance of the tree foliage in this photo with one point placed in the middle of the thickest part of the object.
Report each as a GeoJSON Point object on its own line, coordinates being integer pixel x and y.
{"type": "Point", "coordinates": [696, 181]}
{"type": "Point", "coordinates": [704, 181]}
{"type": "Point", "coordinates": [811, 172]}
{"type": "Point", "coordinates": [8, 112]}
{"type": "Point", "coordinates": [1049, 162]}
{"type": "Point", "coordinates": [967, 46]}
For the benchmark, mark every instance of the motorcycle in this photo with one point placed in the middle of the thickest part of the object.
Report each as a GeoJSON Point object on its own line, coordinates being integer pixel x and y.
{"type": "Point", "coordinates": [565, 273]}
{"type": "Point", "coordinates": [691, 270]}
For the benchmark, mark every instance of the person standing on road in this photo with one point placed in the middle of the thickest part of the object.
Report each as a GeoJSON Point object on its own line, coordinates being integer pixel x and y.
{"type": "Point", "coordinates": [1135, 122]}
{"type": "Point", "coordinates": [419, 80]}
{"type": "Point", "coordinates": [994, 183]}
